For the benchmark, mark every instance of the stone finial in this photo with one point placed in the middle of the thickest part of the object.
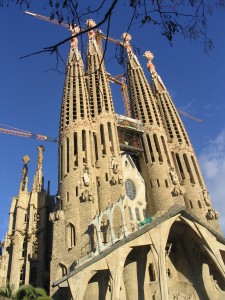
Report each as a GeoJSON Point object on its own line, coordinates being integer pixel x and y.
{"type": "Point", "coordinates": [90, 24]}
{"type": "Point", "coordinates": [127, 38]}
{"type": "Point", "coordinates": [149, 55]}
{"type": "Point", "coordinates": [23, 184]}
{"type": "Point", "coordinates": [40, 156]}
{"type": "Point", "coordinates": [74, 31]}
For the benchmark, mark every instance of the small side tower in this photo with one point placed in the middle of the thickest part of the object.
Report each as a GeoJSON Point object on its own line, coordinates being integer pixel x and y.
{"type": "Point", "coordinates": [196, 196]}
{"type": "Point", "coordinates": [157, 169]}
{"type": "Point", "coordinates": [27, 250]}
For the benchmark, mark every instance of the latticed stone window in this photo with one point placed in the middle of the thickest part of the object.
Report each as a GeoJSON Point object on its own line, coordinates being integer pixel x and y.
{"type": "Point", "coordinates": [130, 189]}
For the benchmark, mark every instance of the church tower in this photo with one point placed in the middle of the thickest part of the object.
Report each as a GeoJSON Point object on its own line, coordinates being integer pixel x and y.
{"type": "Point", "coordinates": [196, 196]}
{"type": "Point", "coordinates": [157, 168]}
{"type": "Point", "coordinates": [27, 247]}
{"type": "Point", "coordinates": [90, 177]}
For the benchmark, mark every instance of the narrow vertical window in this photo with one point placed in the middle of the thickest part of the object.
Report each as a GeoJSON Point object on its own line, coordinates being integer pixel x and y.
{"type": "Point", "coordinates": [189, 169]}
{"type": "Point", "coordinates": [67, 197]}
{"type": "Point", "coordinates": [102, 139]}
{"type": "Point", "coordinates": [67, 155]}
{"type": "Point", "coordinates": [165, 150]}
{"type": "Point", "coordinates": [150, 148]}
{"type": "Point", "coordinates": [75, 149]}
{"type": "Point", "coordinates": [179, 166]}
{"type": "Point", "coordinates": [144, 150]}
{"type": "Point", "coordinates": [76, 191]}
{"type": "Point", "coordinates": [157, 147]}
{"type": "Point", "coordinates": [22, 275]}
{"type": "Point", "coordinates": [61, 162]}
{"type": "Point", "coordinates": [95, 146]}
{"type": "Point", "coordinates": [191, 205]}
{"type": "Point", "coordinates": [196, 171]}
{"type": "Point", "coordinates": [71, 236]}
{"type": "Point", "coordinates": [84, 146]}
{"type": "Point", "coordinates": [110, 137]}
{"type": "Point", "coordinates": [158, 184]}
{"type": "Point", "coordinates": [199, 204]}
{"type": "Point", "coordinates": [33, 276]}
{"type": "Point", "coordinates": [137, 213]}
{"type": "Point", "coordinates": [130, 213]}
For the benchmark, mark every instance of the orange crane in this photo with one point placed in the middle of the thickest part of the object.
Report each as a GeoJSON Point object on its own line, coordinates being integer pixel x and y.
{"type": "Point", "coordinates": [126, 100]}
{"type": "Point", "coordinates": [26, 134]}
{"type": "Point", "coordinates": [115, 79]}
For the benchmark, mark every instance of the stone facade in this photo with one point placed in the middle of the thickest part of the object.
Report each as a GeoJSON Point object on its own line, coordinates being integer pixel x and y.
{"type": "Point", "coordinates": [132, 218]}
{"type": "Point", "coordinates": [27, 247]}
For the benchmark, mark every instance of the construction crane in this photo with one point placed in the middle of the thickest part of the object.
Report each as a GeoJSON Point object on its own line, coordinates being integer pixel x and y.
{"type": "Point", "coordinates": [99, 36]}
{"type": "Point", "coordinates": [189, 116]}
{"type": "Point", "coordinates": [47, 19]}
{"type": "Point", "coordinates": [26, 134]}
{"type": "Point", "coordinates": [126, 100]}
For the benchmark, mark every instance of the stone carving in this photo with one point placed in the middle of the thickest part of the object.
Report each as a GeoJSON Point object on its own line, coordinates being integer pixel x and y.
{"type": "Point", "coordinates": [150, 57]}
{"type": "Point", "coordinates": [86, 177]}
{"type": "Point", "coordinates": [173, 176]}
{"type": "Point", "coordinates": [26, 160]}
{"type": "Point", "coordinates": [114, 165]}
{"type": "Point", "coordinates": [206, 197]}
{"type": "Point", "coordinates": [113, 181]}
{"type": "Point", "coordinates": [127, 38]}
{"type": "Point", "coordinates": [90, 24]}
{"type": "Point", "coordinates": [212, 214]}
{"type": "Point", "coordinates": [40, 156]}
{"type": "Point", "coordinates": [56, 215]}
{"type": "Point", "coordinates": [74, 41]}
{"type": "Point", "coordinates": [87, 196]}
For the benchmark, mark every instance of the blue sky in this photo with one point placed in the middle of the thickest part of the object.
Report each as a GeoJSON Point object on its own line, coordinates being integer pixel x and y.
{"type": "Point", "coordinates": [30, 94]}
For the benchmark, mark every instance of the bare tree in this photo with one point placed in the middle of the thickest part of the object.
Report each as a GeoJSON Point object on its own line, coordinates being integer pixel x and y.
{"type": "Point", "coordinates": [186, 17]}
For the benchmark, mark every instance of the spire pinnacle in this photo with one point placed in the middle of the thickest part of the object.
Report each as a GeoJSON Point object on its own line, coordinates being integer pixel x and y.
{"type": "Point", "coordinates": [149, 55]}
{"type": "Point", "coordinates": [90, 24]}
{"type": "Point", "coordinates": [127, 38]}
{"type": "Point", "coordinates": [38, 178]}
{"type": "Point", "coordinates": [24, 179]}
{"type": "Point", "coordinates": [74, 41]}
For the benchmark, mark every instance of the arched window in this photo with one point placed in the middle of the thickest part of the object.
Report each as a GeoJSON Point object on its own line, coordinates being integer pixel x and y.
{"type": "Point", "coordinates": [33, 276]}
{"type": "Point", "coordinates": [22, 275]}
{"type": "Point", "coordinates": [71, 236]}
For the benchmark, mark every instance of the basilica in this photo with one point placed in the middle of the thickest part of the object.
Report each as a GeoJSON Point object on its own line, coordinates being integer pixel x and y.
{"type": "Point", "coordinates": [132, 217]}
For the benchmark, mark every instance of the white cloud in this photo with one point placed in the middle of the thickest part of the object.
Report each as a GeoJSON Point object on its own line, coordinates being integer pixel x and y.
{"type": "Point", "coordinates": [212, 162]}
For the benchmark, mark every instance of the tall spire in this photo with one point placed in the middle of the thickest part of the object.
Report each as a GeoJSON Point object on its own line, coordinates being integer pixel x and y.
{"type": "Point", "coordinates": [75, 88]}
{"type": "Point", "coordinates": [195, 192]}
{"type": "Point", "coordinates": [38, 178]}
{"type": "Point", "coordinates": [172, 122]}
{"type": "Point", "coordinates": [163, 189]}
{"type": "Point", "coordinates": [98, 84]}
{"type": "Point", "coordinates": [24, 179]}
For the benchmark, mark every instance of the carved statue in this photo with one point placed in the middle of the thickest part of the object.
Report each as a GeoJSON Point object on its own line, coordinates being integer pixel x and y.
{"type": "Point", "coordinates": [206, 197]}
{"type": "Point", "coordinates": [86, 177]}
{"type": "Point", "coordinates": [173, 175]}
{"type": "Point", "coordinates": [212, 214]}
{"type": "Point", "coordinates": [114, 164]}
